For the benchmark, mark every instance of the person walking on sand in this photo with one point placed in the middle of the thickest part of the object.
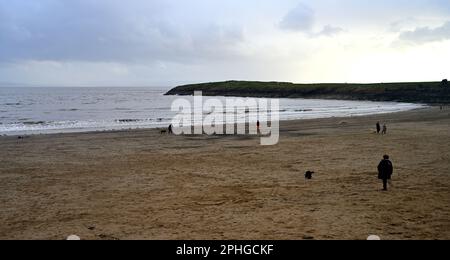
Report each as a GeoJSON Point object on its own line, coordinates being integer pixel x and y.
{"type": "Point", "coordinates": [170, 129]}
{"type": "Point", "coordinates": [258, 125]}
{"type": "Point", "coordinates": [384, 129]}
{"type": "Point", "coordinates": [385, 171]}
{"type": "Point", "coordinates": [378, 127]}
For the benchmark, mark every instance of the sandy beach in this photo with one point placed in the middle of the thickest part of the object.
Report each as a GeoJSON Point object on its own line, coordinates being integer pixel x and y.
{"type": "Point", "coordinates": [139, 184]}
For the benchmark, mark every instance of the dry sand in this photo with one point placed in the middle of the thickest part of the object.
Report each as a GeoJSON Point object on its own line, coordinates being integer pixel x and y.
{"type": "Point", "coordinates": [141, 185]}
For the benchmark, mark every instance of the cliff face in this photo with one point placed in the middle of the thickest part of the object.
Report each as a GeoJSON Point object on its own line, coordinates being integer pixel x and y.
{"type": "Point", "coordinates": [417, 92]}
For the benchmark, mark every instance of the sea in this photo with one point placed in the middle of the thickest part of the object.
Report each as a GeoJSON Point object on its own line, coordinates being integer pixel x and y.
{"type": "Point", "coordinates": [47, 110]}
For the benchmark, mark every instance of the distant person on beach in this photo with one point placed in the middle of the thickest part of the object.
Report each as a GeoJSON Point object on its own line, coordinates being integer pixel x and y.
{"type": "Point", "coordinates": [258, 125]}
{"type": "Point", "coordinates": [170, 129]}
{"type": "Point", "coordinates": [385, 171]}
{"type": "Point", "coordinates": [384, 129]}
{"type": "Point", "coordinates": [378, 127]}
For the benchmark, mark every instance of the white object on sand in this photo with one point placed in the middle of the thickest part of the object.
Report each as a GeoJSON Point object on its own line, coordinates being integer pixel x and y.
{"type": "Point", "coordinates": [73, 237]}
{"type": "Point", "coordinates": [374, 237]}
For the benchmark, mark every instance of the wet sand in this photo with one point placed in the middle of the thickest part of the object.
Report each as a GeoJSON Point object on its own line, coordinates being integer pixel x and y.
{"type": "Point", "coordinates": [143, 185]}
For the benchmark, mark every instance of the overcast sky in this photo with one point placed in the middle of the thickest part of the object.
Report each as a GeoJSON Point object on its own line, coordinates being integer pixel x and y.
{"type": "Point", "coordinates": [170, 42]}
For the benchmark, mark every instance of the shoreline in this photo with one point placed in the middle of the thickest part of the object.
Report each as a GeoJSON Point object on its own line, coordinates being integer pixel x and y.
{"type": "Point", "coordinates": [56, 132]}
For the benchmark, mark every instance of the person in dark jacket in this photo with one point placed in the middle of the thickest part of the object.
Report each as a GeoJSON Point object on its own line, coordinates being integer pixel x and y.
{"type": "Point", "coordinates": [378, 127]}
{"type": "Point", "coordinates": [385, 171]}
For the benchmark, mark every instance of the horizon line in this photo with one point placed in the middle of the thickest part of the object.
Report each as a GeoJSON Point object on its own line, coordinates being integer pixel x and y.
{"type": "Point", "coordinates": [20, 85]}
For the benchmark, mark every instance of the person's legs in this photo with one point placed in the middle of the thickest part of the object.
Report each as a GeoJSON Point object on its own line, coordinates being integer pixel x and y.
{"type": "Point", "coordinates": [385, 184]}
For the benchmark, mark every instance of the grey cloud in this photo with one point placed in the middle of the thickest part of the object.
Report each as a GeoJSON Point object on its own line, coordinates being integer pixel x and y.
{"type": "Point", "coordinates": [330, 30]}
{"type": "Point", "coordinates": [403, 24]}
{"type": "Point", "coordinates": [426, 34]}
{"type": "Point", "coordinates": [301, 18]}
{"type": "Point", "coordinates": [109, 31]}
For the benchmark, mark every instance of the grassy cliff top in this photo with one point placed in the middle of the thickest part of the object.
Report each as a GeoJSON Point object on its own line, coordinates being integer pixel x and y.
{"type": "Point", "coordinates": [417, 92]}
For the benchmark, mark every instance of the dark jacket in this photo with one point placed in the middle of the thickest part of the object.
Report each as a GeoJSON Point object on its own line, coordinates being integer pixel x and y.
{"type": "Point", "coordinates": [385, 170]}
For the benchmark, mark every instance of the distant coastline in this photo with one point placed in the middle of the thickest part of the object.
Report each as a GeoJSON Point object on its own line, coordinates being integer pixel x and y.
{"type": "Point", "coordinates": [432, 93]}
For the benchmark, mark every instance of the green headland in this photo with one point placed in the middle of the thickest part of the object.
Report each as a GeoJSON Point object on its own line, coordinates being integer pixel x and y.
{"type": "Point", "coordinates": [415, 92]}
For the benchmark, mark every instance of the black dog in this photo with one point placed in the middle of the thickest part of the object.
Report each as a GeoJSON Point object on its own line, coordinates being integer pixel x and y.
{"type": "Point", "coordinates": [309, 175]}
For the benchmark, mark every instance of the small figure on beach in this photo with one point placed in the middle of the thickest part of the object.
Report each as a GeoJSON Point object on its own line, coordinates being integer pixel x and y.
{"type": "Point", "coordinates": [170, 129]}
{"type": "Point", "coordinates": [378, 127]}
{"type": "Point", "coordinates": [384, 129]}
{"type": "Point", "coordinates": [385, 171]}
{"type": "Point", "coordinates": [258, 125]}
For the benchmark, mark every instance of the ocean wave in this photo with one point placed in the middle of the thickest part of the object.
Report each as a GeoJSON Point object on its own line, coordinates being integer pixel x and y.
{"type": "Point", "coordinates": [34, 122]}
{"type": "Point", "coordinates": [12, 104]}
{"type": "Point", "coordinates": [128, 120]}
{"type": "Point", "coordinates": [68, 110]}
{"type": "Point", "coordinates": [122, 109]}
{"type": "Point", "coordinates": [38, 127]}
